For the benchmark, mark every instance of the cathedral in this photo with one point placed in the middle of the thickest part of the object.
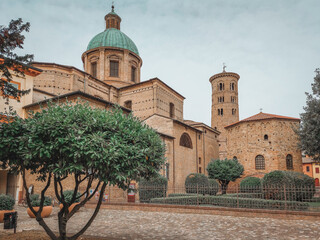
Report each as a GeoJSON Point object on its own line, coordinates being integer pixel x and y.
{"type": "Point", "coordinates": [111, 76]}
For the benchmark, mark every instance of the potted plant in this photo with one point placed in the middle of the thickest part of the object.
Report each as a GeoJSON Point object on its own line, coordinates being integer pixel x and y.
{"type": "Point", "coordinates": [68, 197]}
{"type": "Point", "coordinates": [35, 203]}
{"type": "Point", "coordinates": [6, 205]}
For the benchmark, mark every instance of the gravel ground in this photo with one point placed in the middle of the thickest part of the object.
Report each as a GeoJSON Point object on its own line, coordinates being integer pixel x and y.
{"type": "Point", "coordinates": [118, 224]}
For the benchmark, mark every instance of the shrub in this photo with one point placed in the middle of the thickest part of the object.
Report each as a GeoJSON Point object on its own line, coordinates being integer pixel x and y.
{"type": "Point", "coordinates": [68, 196]}
{"type": "Point", "coordinates": [213, 187]}
{"type": "Point", "coordinates": [225, 201]}
{"type": "Point", "coordinates": [152, 188]}
{"type": "Point", "coordinates": [246, 195]}
{"type": "Point", "coordinates": [281, 185]}
{"type": "Point", "coordinates": [35, 200]}
{"type": "Point", "coordinates": [197, 183]}
{"type": "Point", "coordinates": [6, 202]}
{"type": "Point", "coordinates": [250, 185]}
{"type": "Point", "coordinates": [181, 194]}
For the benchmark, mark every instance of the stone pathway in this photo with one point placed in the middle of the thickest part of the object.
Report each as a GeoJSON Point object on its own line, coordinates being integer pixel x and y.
{"type": "Point", "coordinates": [117, 224]}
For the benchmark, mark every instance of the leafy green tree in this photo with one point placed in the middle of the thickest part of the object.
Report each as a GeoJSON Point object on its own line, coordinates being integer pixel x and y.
{"type": "Point", "coordinates": [309, 131]}
{"type": "Point", "coordinates": [225, 171]}
{"type": "Point", "coordinates": [94, 147]}
{"type": "Point", "coordinates": [11, 37]}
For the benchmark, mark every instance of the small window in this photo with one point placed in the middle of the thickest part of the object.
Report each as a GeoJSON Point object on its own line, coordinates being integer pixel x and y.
{"type": "Point", "coordinates": [289, 162]}
{"type": "Point", "coordinates": [235, 158]}
{"type": "Point", "coordinates": [308, 169]}
{"type": "Point", "coordinates": [199, 160]}
{"type": "Point", "coordinates": [199, 137]}
{"type": "Point", "coordinates": [133, 74]}
{"type": "Point", "coordinates": [232, 86]}
{"type": "Point", "coordinates": [221, 86]}
{"type": "Point", "coordinates": [317, 170]}
{"type": "Point", "coordinates": [167, 170]}
{"type": "Point", "coordinates": [171, 110]}
{"type": "Point", "coordinates": [260, 163]}
{"type": "Point", "coordinates": [234, 111]}
{"type": "Point", "coordinates": [94, 69]}
{"type": "Point", "coordinates": [199, 169]}
{"type": "Point", "coordinates": [265, 137]}
{"type": "Point", "coordinates": [221, 111]}
{"type": "Point", "coordinates": [114, 69]}
{"type": "Point", "coordinates": [10, 89]}
{"type": "Point", "coordinates": [128, 104]}
{"type": "Point", "coordinates": [185, 140]}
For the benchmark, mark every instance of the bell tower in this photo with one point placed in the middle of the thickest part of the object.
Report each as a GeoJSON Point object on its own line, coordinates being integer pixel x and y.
{"type": "Point", "coordinates": [225, 106]}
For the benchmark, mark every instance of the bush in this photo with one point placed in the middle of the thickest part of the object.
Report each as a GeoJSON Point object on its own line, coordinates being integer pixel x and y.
{"type": "Point", "coordinates": [152, 188]}
{"type": "Point", "coordinates": [6, 202]}
{"type": "Point", "coordinates": [232, 202]}
{"type": "Point", "coordinates": [281, 185]}
{"type": "Point", "coordinates": [246, 195]}
{"type": "Point", "coordinates": [213, 187]}
{"type": "Point", "coordinates": [250, 185]}
{"type": "Point", "coordinates": [197, 183]}
{"type": "Point", "coordinates": [68, 196]}
{"type": "Point", "coordinates": [35, 200]}
{"type": "Point", "coordinates": [181, 194]}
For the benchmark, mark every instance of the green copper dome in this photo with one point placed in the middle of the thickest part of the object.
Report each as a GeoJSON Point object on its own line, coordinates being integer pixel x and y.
{"type": "Point", "coordinates": [113, 37]}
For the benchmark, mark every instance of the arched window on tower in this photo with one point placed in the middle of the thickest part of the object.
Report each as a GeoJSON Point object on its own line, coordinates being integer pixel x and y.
{"type": "Point", "coordinates": [133, 74]}
{"type": "Point", "coordinates": [260, 163]}
{"type": "Point", "coordinates": [289, 162]}
{"type": "Point", "coordinates": [266, 137]}
{"type": "Point", "coordinates": [171, 110]}
{"type": "Point", "coordinates": [221, 86]}
{"type": "Point", "coordinates": [185, 140]}
{"type": "Point", "coordinates": [128, 104]}
{"type": "Point", "coordinates": [219, 113]}
{"type": "Point", "coordinates": [232, 86]}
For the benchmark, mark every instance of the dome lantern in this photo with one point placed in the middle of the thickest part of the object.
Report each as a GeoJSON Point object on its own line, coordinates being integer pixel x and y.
{"type": "Point", "coordinates": [112, 19]}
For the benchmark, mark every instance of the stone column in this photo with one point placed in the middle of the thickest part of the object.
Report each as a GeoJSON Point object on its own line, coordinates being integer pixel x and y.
{"type": "Point", "coordinates": [101, 65]}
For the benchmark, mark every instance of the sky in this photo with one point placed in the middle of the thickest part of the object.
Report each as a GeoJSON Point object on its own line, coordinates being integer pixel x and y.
{"type": "Point", "coordinates": [273, 45]}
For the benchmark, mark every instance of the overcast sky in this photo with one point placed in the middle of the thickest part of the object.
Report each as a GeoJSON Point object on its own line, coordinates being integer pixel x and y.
{"type": "Point", "coordinates": [273, 45]}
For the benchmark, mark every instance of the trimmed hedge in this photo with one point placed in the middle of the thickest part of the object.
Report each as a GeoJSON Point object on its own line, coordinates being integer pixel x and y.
{"type": "Point", "coordinates": [181, 194]}
{"type": "Point", "coordinates": [246, 195]}
{"type": "Point", "coordinates": [35, 200]}
{"type": "Point", "coordinates": [6, 202]}
{"type": "Point", "coordinates": [197, 183]}
{"type": "Point", "coordinates": [232, 202]}
{"type": "Point", "coordinates": [281, 185]}
{"type": "Point", "coordinates": [213, 188]}
{"type": "Point", "coordinates": [152, 188]}
{"type": "Point", "coordinates": [68, 196]}
{"type": "Point", "coordinates": [250, 185]}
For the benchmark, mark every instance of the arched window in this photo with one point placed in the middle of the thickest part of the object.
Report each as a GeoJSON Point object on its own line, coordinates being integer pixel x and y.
{"type": "Point", "coordinates": [171, 110]}
{"type": "Point", "coordinates": [260, 163]}
{"type": "Point", "coordinates": [235, 158]}
{"type": "Point", "coordinates": [232, 86]}
{"type": "Point", "coordinates": [133, 74]}
{"type": "Point", "coordinates": [265, 137]}
{"type": "Point", "coordinates": [219, 112]}
{"type": "Point", "coordinates": [185, 140]}
{"type": "Point", "coordinates": [221, 86]}
{"type": "Point", "coordinates": [289, 162]}
{"type": "Point", "coordinates": [128, 104]}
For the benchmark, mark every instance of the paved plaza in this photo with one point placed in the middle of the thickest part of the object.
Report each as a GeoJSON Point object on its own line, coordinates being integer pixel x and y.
{"type": "Point", "coordinates": [120, 224]}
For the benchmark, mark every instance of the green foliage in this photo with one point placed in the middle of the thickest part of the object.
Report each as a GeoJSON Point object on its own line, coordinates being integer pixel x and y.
{"type": "Point", "coordinates": [196, 183]}
{"type": "Point", "coordinates": [232, 202]}
{"type": "Point", "coordinates": [6, 202]}
{"type": "Point", "coordinates": [181, 194]}
{"type": "Point", "coordinates": [77, 139]}
{"type": "Point", "coordinates": [282, 185]}
{"type": "Point", "coordinates": [68, 194]}
{"type": "Point", "coordinates": [152, 188]}
{"type": "Point", "coordinates": [35, 200]}
{"type": "Point", "coordinates": [250, 185]}
{"type": "Point", "coordinates": [310, 122]}
{"type": "Point", "coordinates": [213, 187]}
{"type": "Point", "coordinates": [225, 171]}
{"type": "Point", "coordinates": [11, 38]}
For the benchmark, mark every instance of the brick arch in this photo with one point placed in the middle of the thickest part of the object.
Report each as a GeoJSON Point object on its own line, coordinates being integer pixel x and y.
{"type": "Point", "coordinates": [185, 140]}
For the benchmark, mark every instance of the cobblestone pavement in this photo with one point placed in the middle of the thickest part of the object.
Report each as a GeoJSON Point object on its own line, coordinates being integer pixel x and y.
{"type": "Point", "coordinates": [118, 224]}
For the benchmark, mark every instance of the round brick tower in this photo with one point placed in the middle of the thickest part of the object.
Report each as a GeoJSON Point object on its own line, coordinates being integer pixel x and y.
{"type": "Point", "coordinates": [225, 107]}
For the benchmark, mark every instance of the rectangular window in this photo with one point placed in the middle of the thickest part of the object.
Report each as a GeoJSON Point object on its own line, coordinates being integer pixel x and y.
{"type": "Point", "coordinates": [94, 69]}
{"type": "Point", "coordinates": [199, 169]}
{"type": "Point", "coordinates": [133, 74]}
{"type": "Point", "coordinates": [199, 160]}
{"type": "Point", "coordinates": [308, 169]}
{"type": "Point", "coordinates": [171, 105]}
{"type": "Point", "coordinates": [317, 170]}
{"type": "Point", "coordinates": [114, 69]}
{"type": "Point", "coordinates": [10, 89]}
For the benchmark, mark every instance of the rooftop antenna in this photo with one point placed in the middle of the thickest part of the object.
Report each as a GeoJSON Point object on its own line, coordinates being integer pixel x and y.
{"type": "Point", "coordinates": [224, 67]}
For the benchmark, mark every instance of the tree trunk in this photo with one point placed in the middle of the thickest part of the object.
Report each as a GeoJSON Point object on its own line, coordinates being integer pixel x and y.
{"type": "Point", "coordinates": [62, 227]}
{"type": "Point", "coordinates": [224, 187]}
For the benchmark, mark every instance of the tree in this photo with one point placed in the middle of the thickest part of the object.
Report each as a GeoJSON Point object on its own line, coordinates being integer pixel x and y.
{"type": "Point", "coordinates": [309, 130]}
{"type": "Point", "coordinates": [94, 147]}
{"type": "Point", "coordinates": [11, 37]}
{"type": "Point", "coordinates": [225, 171]}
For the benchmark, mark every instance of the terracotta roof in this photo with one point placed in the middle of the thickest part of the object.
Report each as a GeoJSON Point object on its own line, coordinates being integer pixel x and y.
{"type": "Point", "coordinates": [201, 124]}
{"type": "Point", "coordinates": [263, 116]}
{"type": "Point", "coordinates": [307, 160]}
